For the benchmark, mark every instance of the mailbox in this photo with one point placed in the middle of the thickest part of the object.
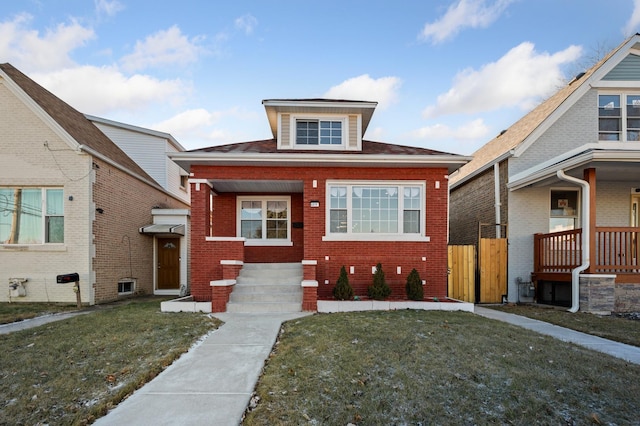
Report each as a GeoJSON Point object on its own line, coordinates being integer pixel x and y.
{"type": "Point", "coordinates": [68, 278]}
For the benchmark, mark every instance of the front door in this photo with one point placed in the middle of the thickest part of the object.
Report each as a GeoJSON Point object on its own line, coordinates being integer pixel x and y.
{"type": "Point", "coordinates": [168, 263]}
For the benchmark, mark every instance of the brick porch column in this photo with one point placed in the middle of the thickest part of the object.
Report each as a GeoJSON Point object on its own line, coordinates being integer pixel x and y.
{"type": "Point", "coordinates": [309, 285]}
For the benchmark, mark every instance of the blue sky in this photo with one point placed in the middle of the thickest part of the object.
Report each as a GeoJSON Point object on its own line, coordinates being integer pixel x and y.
{"type": "Point", "coordinates": [447, 74]}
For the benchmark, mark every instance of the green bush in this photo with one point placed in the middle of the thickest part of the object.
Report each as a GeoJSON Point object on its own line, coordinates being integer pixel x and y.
{"type": "Point", "coordinates": [380, 290]}
{"type": "Point", "coordinates": [414, 286]}
{"type": "Point", "coordinates": [343, 290]}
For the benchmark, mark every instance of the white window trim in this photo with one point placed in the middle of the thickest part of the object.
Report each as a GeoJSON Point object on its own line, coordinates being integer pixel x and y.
{"type": "Point", "coordinates": [577, 218]}
{"type": "Point", "coordinates": [264, 241]}
{"type": "Point", "coordinates": [344, 119]}
{"type": "Point", "coordinates": [623, 113]}
{"type": "Point", "coordinates": [414, 237]}
{"type": "Point", "coordinates": [43, 217]}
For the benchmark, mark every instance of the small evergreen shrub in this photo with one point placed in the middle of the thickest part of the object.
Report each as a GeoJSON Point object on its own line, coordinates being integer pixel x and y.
{"type": "Point", "coordinates": [380, 290]}
{"type": "Point", "coordinates": [343, 290]}
{"type": "Point", "coordinates": [414, 286]}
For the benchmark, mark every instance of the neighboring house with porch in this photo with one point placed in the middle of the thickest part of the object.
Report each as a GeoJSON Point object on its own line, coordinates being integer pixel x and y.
{"type": "Point", "coordinates": [564, 181]}
{"type": "Point", "coordinates": [73, 201]}
{"type": "Point", "coordinates": [310, 200]}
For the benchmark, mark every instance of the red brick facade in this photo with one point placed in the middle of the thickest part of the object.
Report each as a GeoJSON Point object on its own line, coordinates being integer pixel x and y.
{"type": "Point", "coordinates": [429, 258]}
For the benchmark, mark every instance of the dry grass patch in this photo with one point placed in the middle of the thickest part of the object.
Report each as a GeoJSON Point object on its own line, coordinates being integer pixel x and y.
{"type": "Point", "coordinates": [72, 371]}
{"type": "Point", "coordinates": [613, 327]}
{"type": "Point", "coordinates": [18, 311]}
{"type": "Point", "coordinates": [420, 367]}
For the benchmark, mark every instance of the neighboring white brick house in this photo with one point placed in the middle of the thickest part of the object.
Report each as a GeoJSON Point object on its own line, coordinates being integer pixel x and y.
{"type": "Point", "coordinates": [590, 131]}
{"type": "Point", "coordinates": [72, 201]}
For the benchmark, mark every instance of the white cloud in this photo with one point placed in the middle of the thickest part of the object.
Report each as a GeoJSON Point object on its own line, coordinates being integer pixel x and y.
{"type": "Point", "coordinates": [520, 78]}
{"type": "Point", "coordinates": [109, 8]}
{"type": "Point", "coordinates": [472, 130]}
{"type": "Point", "coordinates": [364, 88]}
{"type": "Point", "coordinates": [189, 122]}
{"type": "Point", "coordinates": [633, 23]}
{"type": "Point", "coordinates": [246, 23]}
{"type": "Point", "coordinates": [98, 90]}
{"type": "Point", "coordinates": [167, 47]}
{"type": "Point", "coordinates": [200, 127]}
{"type": "Point", "coordinates": [29, 50]}
{"type": "Point", "coordinates": [462, 14]}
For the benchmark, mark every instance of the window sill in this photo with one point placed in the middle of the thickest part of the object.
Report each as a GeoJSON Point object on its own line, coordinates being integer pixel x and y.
{"type": "Point", "coordinates": [268, 243]}
{"type": "Point", "coordinates": [408, 238]}
{"type": "Point", "coordinates": [34, 247]}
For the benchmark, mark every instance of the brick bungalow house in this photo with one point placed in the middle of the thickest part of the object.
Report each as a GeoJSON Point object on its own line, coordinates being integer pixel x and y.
{"type": "Point", "coordinates": [316, 197]}
{"type": "Point", "coordinates": [565, 180]}
{"type": "Point", "coordinates": [73, 201]}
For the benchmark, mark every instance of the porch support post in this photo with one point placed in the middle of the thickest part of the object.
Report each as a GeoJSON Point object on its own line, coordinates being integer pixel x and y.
{"type": "Point", "coordinates": [590, 177]}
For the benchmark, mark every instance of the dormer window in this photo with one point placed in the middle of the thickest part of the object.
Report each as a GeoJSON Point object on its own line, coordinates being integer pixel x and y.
{"type": "Point", "coordinates": [318, 132]}
{"type": "Point", "coordinates": [318, 124]}
{"type": "Point", "coordinates": [313, 132]}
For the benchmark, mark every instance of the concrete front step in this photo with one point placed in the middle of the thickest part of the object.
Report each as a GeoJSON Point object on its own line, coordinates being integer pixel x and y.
{"type": "Point", "coordinates": [267, 287]}
{"type": "Point", "coordinates": [245, 287]}
{"type": "Point", "coordinates": [264, 297]}
{"type": "Point", "coordinates": [263, 307]}
{"type": "Point", "coordinates": [269, 281]}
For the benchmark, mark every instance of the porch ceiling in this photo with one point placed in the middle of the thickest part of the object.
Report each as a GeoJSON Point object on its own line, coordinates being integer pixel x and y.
{"type": "Point", "coordinates": [258, 186]}
{"type": "Point", "coordinates": [614, 164]}
{"type": "Point", "coordinates": [605, 171]}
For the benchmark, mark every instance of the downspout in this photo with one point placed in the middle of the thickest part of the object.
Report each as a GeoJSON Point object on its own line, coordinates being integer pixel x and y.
{"type": "Point", "coordinates": [575, 274]}
{"type": "Point", "coordinates": [496, 183]}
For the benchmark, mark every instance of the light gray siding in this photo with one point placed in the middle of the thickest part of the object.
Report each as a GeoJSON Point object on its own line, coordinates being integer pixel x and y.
{"type": "Point", "coordinates": [146, 150]}
{"type": "Point", "coordinates": [150, 152]}
{"type": "Point", "coordinates": [627, 70]}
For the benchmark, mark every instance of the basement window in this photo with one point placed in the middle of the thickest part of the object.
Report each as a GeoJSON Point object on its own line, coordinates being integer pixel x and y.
{"type": "Point", "coordinates": [126, 286]}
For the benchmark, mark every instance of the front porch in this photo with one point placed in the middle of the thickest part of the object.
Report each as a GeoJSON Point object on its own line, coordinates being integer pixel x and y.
{"type": "Point", "coordinates": [613, 256]}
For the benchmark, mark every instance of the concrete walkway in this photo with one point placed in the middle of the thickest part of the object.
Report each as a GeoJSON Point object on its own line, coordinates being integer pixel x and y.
{"type": "Point", "coordinates": [212, 383]}
{"type": "Point", "coordinates": [38, 321]}
{"type": "Point", "coordinates": [619, 350]}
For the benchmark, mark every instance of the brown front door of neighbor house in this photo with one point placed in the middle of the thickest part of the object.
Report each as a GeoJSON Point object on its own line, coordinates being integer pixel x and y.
{"type": "Point", "coordinates": [168, 263]}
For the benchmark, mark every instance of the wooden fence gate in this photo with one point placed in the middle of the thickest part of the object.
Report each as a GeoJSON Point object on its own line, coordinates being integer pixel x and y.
{"type": "Point", "coordinates": [479, 276]}
{"type": "Point", "coordinates": [493, 269]}
{"type": "Point", "coordinates": [462, 273]}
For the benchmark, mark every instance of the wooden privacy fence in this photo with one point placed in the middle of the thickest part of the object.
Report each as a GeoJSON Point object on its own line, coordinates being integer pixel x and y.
{"type": "Point", "coordinates": [462, 273]}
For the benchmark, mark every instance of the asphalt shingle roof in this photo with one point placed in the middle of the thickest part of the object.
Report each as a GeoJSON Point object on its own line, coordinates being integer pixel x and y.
{"type": "Point", "coordinates": [73, 122]}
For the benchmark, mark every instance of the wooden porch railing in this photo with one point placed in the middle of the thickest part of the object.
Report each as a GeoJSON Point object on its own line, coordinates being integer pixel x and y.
{"type": "Point", "coordinates": [616, 251]}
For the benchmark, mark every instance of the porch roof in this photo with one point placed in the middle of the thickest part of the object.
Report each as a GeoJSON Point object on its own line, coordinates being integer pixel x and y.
{"type": "Point", "coordinates": [163, 229]}
{"type": "Point", "coordinates": [614, 161]}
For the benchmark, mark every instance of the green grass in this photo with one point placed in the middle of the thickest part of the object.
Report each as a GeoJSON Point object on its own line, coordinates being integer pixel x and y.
{"type": "Point", "coordinates": [12, 312]}
{"type": "Point", "coordinates": [72, 371]}
{"type": "Point", "coordinates": [417, 367]}
{"type": "Point", "coordinates": [609, 327]}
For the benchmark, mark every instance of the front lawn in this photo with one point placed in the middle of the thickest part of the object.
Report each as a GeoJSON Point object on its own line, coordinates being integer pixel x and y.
{"type": "Point", "coordinates": [427, 367]}
{"type": "Point", "coordinates": [72, 371]}
{"type": "Point", "coordinates": [612, 327]}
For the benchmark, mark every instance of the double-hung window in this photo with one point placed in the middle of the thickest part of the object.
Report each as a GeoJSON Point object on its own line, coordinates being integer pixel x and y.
{"type": "Point", "coordinates": [376, 209]}
{"type": "Point", "coordinates": [264, 220]}
{"type": "Point", "coordinates": [31, 215]}
{"type": "Point", "coordinates": [619, 117]}
{"type": "Point", "coordinates": [311, 132]}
